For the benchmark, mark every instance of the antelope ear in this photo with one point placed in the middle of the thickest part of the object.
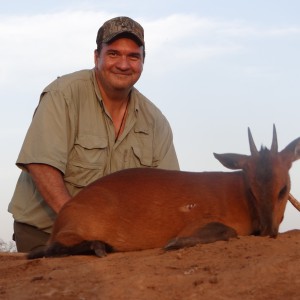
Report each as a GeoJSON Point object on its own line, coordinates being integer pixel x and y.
{"type": "Point", "coordinates": [292, 150]}
{"type": "Point", "coordinates": [231, 160]}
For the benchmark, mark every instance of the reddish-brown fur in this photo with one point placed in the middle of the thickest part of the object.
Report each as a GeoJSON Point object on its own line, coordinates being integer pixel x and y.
{"type": "Point", "coordinates": [148, 208]}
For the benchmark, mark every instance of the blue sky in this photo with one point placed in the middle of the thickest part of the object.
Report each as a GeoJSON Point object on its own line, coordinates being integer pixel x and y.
{"type": "Point", "coordinates": [213, 67]}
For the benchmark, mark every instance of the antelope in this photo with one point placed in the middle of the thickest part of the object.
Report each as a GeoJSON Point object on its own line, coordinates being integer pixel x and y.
{"type": "Point", "coordinates": [145, 208]}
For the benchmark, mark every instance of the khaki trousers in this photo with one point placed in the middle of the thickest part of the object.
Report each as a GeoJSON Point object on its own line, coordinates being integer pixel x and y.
{"type": "Point", "coordinates": [28, 237]}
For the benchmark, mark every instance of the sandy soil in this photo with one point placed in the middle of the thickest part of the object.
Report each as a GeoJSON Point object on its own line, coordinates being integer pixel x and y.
{"type": "Point", "coordinates": [244, 268]}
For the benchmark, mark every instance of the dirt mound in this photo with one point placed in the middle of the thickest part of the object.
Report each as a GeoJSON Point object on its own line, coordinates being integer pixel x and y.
{"type": "Point", "coordinates": [244, 268]}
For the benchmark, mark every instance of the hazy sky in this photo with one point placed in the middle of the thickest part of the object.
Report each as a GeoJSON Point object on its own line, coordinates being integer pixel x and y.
{"type": "Point", "coordinates": [213, 67]}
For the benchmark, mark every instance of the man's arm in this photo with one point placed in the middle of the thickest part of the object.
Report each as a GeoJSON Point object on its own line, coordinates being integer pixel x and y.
{"type": "Point", "coordinates": [50, 184]}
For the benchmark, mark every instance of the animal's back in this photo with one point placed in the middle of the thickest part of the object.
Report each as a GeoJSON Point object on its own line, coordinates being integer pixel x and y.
{"type": "Point", "coordinates": [144, 208]}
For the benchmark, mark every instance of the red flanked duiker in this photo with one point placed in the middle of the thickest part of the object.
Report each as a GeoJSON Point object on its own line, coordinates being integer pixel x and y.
{"type": "Point", "coordinates": [145, 208]}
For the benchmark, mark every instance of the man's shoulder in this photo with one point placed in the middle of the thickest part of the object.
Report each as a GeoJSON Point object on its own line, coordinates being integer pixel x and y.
{"type": "Point", "coordinates": [78, 75]}
{"type": "Point", "coordinates": [71, 79]}
{"type": "Point", "coordinates": [143, 103]}
{"type": "Point", "coordinates": [148, 112]}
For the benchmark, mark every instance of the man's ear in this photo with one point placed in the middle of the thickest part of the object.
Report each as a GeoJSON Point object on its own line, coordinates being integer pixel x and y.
{"type": "Point", "coordinates": [96, 56]}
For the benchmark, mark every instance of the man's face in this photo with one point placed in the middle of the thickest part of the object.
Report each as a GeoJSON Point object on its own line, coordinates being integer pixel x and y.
{"type": "Point", "coordinates": [119, 65]}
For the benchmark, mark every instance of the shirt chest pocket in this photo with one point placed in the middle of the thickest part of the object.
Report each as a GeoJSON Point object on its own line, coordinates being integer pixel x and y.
{"type": "Point", "coordinates": [87, 160]}
{"type": "Point", "coordinates": [141, 157]}
{"type": "Point", "coordinates": [90, 151]}
{"type": "Point", "coordinates": [141, 152]}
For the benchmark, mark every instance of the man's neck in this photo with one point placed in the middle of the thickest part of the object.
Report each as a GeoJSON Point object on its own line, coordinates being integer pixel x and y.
{"type": "Point", "coordinates": [114, 100]}
{"type": "Point", "coordinates": [116, 104]}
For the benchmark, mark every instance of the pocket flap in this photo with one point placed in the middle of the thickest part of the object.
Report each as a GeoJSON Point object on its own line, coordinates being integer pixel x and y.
{"type": "Point", "coordinates": [91, 141]}
{"type": "Point", "coordinates": [144, 156]}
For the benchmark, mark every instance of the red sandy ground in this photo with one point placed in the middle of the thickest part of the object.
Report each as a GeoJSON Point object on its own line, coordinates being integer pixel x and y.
{"type": "Point", "coordinates": [245, 268]}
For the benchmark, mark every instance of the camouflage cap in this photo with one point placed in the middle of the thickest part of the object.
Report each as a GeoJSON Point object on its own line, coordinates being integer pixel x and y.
{"type": "Point", "coordinates": [113, 27]}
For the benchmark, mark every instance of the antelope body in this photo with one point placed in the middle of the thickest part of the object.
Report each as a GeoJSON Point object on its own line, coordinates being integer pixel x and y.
{"type": "Point", "coordinates": [137, 209]}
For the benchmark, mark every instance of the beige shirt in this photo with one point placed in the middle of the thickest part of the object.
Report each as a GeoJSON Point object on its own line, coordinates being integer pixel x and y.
{"type": "Point", "coordinates": [72, 132]}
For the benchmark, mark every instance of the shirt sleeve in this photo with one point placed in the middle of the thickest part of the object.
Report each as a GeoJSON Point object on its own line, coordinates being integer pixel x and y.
{"type": "Point", "coordinates": [164, 150]}
{"type": "Point", "coordinates": [47, 138]}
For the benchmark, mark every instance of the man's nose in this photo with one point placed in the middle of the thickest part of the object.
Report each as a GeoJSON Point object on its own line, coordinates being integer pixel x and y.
{"type": "Point", "coordinates": [123, 62]}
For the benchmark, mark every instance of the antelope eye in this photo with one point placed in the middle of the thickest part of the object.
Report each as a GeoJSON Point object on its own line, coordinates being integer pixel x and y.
{"type": "Point", "coordinates": [282, 193]}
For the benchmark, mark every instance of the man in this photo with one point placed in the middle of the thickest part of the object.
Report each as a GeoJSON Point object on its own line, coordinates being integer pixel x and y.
{"type": "Point", "coordinates": [88, 124]}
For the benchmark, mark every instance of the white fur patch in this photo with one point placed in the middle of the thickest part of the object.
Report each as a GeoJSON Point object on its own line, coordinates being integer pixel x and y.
{"type": "Point", "coordinates": [188, 207]}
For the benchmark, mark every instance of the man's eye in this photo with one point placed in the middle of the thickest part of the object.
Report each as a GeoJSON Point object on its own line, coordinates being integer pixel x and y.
{"type": "Point", "coordinates": [112, 54]}
{"type": "Point", "coordinates": [134, 57]}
